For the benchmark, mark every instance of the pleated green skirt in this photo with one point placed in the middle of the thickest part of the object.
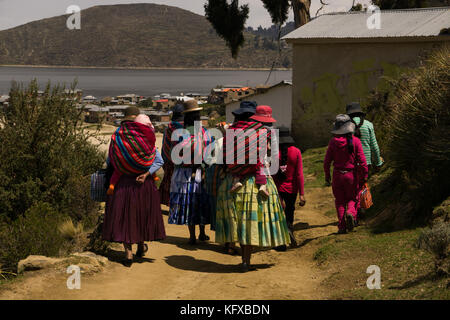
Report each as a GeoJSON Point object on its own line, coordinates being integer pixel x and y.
{"type": "Point", "coordinates": [246, 218]}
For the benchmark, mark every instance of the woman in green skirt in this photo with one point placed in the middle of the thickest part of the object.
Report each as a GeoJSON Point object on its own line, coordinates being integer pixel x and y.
{"type": "Point", "coordinates": [246, 217]}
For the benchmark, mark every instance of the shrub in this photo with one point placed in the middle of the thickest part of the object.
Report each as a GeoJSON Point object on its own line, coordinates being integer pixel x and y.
{"type": "Point", "coordinates": [45, 154]}
{"type": "Point", "coordinates": [436, 240]}
{"type": "Point", "coordinates": [45, 164]}
{"type": "Point", "coordinates": [413, 125]}
{"type": "Point", "coordinates": [74, 234]}
{"type": "Point", "coordinates": [33, 233]}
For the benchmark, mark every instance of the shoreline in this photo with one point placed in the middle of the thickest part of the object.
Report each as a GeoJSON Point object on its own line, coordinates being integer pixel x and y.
{"type": "Point", "coordinates": [142, 68]}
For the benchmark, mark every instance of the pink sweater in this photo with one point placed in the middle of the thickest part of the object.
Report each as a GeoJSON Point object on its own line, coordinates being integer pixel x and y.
{"type": "Point", "coordinates": [294, 181]}
{"type": "Point", "coordinates": [337, 153]}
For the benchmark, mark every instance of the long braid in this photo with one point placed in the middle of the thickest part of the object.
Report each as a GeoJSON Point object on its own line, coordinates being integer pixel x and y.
{"type": "Point", "coordinates": [350, 145]}
{"type": "Point", "coordinates": [358, 126]}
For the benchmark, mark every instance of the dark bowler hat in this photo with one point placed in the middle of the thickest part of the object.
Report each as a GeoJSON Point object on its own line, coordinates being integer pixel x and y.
{"type": "Point", "coordinates": [178, 108]}
{"type": "Point", "coordinates": [343, 125]}
{"type": "Point", "coordinates": [191, 106]}
{"type": "Point", "coordinates": [354, 108]}
{"type": "Point", "coordinates": [246, 106]}
{"type": "Point", "coordinates": [131, 113]}
{"type": "Point", "coordinates": [285, 136]}
{"type": "Point", "coordinates": [177, 112]}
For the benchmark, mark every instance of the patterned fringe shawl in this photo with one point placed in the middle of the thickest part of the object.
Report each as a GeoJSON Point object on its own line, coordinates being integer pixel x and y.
{"type": "Point", "coordinates": [132, 150]}
{"type": "Point", "coordinates": [167, 143]}
{"type": "Point", "coordinates": [246, 146]}
{"type": "Point", "coordinates": [199, 144]}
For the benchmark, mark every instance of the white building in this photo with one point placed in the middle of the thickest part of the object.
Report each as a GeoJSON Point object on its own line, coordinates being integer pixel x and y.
{"type": "Point", "coordinates": [278, 97]}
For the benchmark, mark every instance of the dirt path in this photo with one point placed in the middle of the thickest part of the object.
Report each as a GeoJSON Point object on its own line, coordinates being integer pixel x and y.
{"type": "Point", "coordinates": [174, 270]}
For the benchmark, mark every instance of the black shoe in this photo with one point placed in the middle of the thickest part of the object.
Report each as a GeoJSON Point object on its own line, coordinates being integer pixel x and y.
{"type": "Point", "coordinates": [203, 237]}
{"type": "Point", "coordinates": [281, 248]}
{"type": "Point", "coordinates": [127, 263]}
{"type": "Point", "coordinates": [141, 253]}
{"type": "Point", "coordinates": [349, 221]}
{"type": "Point", "coordinates": [192, 242]}
{"type": "Point", "coordinates": [342, 231]}
{"type": "Point", "coordinates": [247, 267]}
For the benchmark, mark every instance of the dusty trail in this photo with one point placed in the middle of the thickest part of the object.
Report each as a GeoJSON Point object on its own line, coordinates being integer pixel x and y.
{"type": "Point", "coordinates": [174, 270]}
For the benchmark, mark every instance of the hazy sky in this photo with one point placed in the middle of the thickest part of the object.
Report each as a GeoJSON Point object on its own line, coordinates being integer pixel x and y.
{"type": "Point", "coordinates": [17, 12]}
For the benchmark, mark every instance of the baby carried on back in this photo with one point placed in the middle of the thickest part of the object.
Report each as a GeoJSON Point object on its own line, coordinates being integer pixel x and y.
{"type": "Point", "coordinates": [132, 150]}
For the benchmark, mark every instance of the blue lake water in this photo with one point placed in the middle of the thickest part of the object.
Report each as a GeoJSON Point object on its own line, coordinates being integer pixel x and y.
{"type": "Point", "coordinates": [113, 82]}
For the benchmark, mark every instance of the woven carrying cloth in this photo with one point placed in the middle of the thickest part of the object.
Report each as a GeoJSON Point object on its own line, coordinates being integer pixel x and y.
{"type": "Point", "coordinates": [247, 145]}
{"type": "Point", "coordinates": [132, 150]}
{"type": "Point", "coordinates": [167, 143]}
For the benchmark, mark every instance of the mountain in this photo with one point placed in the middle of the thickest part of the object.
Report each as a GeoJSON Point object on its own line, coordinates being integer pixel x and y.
{"type": "Point", "coordinates": [272, 31]}
{"type": "Point", "coordinates": [132, 35]}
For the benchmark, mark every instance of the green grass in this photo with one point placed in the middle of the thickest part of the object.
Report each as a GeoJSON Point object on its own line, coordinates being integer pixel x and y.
{"type": "Point", "coordinates": [406, 272]}
{"type": "Point", "coordinates": [313, 167]}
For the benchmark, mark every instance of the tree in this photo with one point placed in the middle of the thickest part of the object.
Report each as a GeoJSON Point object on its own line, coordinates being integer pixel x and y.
{"type": "Point", "coordinates": [228, 19]}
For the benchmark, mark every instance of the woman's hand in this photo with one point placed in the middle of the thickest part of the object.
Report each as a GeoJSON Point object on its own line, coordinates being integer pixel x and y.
{"type": "Point", "coordinates": [328, 182]}
{"type": "Point", "coordinates": [141, 179]}
{"type": "Point", "coordinates": [302, 201]}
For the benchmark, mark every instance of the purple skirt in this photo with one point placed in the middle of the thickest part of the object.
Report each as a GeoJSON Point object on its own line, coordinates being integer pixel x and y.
{"type": "Point", "coordinates": [133, 212]}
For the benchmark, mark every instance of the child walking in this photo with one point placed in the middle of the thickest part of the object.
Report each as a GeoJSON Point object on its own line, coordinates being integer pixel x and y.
{"type": "Point", "coordinates": [347, 155]}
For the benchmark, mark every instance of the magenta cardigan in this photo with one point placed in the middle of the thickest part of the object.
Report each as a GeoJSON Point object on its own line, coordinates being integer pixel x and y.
{"type": "Point", "coordinates": [294, 181]}
{"type": "Point", "coordinates": [337, 153]}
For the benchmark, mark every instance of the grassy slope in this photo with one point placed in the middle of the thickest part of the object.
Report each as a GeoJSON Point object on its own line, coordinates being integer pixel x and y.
{"type": "Point", "coordinates": [406, 272]}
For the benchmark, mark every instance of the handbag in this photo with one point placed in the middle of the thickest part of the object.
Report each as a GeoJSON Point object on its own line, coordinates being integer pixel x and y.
{"type": "Point", "coordinates": [366, 197]}
{"type": "Point", "coordinates": [98, 183]}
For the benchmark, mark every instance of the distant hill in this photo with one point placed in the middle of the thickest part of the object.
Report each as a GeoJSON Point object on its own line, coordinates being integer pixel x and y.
{"type": "Point", "coordinates": [132, 35]}
{"type": "Point", "coordinates": [272, 31]}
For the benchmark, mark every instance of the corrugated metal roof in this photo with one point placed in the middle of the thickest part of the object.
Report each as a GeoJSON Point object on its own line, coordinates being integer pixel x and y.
{"type": "Point", "coordinates": [425, 22]}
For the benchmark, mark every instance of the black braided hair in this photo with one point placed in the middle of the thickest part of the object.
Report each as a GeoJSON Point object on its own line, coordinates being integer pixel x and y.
{"type": "Point", "coordinates": [350, 145]}
{"type": "Point", "coordinates": [358, 126]}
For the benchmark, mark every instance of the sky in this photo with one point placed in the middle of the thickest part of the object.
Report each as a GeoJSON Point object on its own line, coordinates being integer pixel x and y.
{"type": "Point", "coordinates": [17, 12]}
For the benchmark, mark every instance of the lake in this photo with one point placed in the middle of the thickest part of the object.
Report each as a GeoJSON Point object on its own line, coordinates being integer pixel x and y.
{"type": "Point", "coordinates": [113, 82]}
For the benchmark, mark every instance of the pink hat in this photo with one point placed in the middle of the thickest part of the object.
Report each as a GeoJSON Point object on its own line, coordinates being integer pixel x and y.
{"type": "Point", "coordinates": [263, 114]}
{"type": "Point", "coordinates": [144, 119]}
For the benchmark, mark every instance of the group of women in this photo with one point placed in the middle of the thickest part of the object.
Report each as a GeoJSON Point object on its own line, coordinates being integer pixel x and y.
{"type": "Point", "coordinates": [198, 192]}
{"type": "Point", "coordinates": [239, 200]}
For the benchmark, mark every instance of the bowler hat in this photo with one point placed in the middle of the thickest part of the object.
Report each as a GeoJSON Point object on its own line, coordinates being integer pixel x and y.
{"type": "Point", "coordinates": [246, 107]}
{"type": "Point", "coordinates": [191, 106]}
{"type": "Point", "coordinates": [354, 108]}
{"type": "Point", "coordinates": [263, 114]}
{"type": "Point", "coordinates": [343, 125]}
{"type": "Point", "coordinates": [285, 136]}
{"type": "Point", "coordinates": [131, 113]}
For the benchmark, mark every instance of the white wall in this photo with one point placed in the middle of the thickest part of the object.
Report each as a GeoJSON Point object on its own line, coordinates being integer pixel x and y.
{"type": "Point", "coordinates": [279, 98]}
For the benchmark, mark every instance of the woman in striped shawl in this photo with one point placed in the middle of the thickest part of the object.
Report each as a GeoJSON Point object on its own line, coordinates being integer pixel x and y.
{"type": "Point", "coordinates": [189, 203]}
{"type": "Point", "coordinates": [167, 145]}
{"type": "Point", "coordinates": [133, 211]}
{"type": "Point", "coordinates": [245, 216]}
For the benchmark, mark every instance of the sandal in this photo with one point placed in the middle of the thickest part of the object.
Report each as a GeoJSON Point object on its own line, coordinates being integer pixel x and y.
{"type": "Point", "coordinates": [141, 253]}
